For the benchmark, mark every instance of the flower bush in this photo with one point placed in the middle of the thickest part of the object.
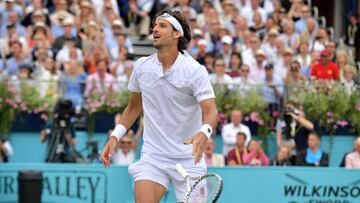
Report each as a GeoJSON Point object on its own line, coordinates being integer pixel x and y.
{"type": "Point", "coordinates": [21, 96]}
{"type": "Point", "coordinates": [331, 105]}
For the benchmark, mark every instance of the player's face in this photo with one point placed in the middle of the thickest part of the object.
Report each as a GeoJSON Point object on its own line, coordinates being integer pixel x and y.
{"type": "Point", "coordinates": [164, 34]}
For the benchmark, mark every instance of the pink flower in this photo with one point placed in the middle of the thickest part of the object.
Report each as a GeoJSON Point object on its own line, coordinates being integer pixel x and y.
{"type": "Point", "coordinates": [275, 114]}
{"type": "Point", "coordinates": [44, 116]}
{"type": "Point", "coordinates": [228, 106]}
{"type": "Point", "coordinates": [261, 122]}
{"type": "Point", "coordinates": [330, 114]}
{"type": "Point", "coordinates": [357, 106]}
{"type": "Point", "coordinates": [246, 118]}
{"type": "Point", "coordinates": [342, 123]}
{"type": "Point", "coordinates": [254, 116]}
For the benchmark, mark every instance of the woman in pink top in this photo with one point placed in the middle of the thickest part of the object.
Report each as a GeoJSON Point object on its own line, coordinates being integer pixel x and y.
{"type": "Point", "coordinates": [256, 156]}
{"type": "Point", "coordinates": [353, 159]}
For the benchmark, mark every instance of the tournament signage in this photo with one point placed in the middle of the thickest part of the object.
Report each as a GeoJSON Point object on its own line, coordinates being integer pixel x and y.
{"type": "Point", "coordinates": [92, 183]}
{"type": "Point", "coordinates": [61, 186]}
{"type": "Point", "coordinates": [320, 193]}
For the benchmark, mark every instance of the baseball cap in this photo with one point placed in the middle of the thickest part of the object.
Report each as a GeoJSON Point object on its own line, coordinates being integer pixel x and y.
{"type": "Point", "coordinates": [67, 21]}
{"type": "Point", "coordinates": [202, 42]}
{"type": "Point", "coordinates": [260, 52]}
{"type": "Point", "coordinates": [288, 51]}
{"type": "Point", "coordinates": [227, 39]}
{"type": "Point", "coordinates": [117, 22]}
{"type": "Point", "coordinates": [197, 32]}
{"type": "Point", "coordinates": [325, 52]}
{"type": "Point", "coordinates": [273, 31]}
{"type": "Point", "coordinates": [38, 12]}
{"type": "Point", "coordinates": [269, 66]}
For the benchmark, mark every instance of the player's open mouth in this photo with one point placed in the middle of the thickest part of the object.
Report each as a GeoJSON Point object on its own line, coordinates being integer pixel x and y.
{"type": "Point", "coordinates": [156, 36]}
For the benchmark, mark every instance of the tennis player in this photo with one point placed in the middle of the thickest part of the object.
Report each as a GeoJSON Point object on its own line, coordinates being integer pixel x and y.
{"type": "Point", "coordinates": [180, 113]}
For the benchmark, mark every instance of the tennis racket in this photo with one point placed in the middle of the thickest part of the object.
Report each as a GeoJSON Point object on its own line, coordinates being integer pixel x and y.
{"type": "Point", "coordinates": [201, 189]}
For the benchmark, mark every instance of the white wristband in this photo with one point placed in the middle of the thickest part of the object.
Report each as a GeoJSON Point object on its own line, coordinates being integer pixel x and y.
{"type": "Point", "coordinates": [206, 129]}
{"type": "Point", "coordinates": [119, 131]}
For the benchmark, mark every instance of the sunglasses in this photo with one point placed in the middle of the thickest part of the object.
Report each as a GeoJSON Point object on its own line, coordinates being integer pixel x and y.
{"type": "Point", "coordinates": [245, 70]}
{"type": "Point", "coordinates": [126, 142]}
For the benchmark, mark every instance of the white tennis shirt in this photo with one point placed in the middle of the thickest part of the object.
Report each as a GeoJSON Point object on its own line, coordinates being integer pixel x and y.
{"type": "Point", "coordinates": [170, 102]}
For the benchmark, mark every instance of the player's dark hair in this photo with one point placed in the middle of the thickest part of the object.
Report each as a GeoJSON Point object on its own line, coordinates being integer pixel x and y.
{"type": "Point", "coordinates": [183, 40]}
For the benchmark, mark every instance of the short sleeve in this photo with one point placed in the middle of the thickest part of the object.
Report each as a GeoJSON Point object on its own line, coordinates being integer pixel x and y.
{"type": "Point", "coordinates": [133, 85]}
{"type": "Point", "coordinates": [201, 85]}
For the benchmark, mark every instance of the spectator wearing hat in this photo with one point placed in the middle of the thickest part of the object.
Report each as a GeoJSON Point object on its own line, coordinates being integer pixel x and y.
{"type": "Point", "coordinates": [226, 49]}
{"type": "Point", "coordinates": [116, 37]}
{"type": "Point", "coordinates": [269, 45]}
{"type": "Point", "coordinates": [313, 155]}
{"type": "Point", "coordinates": [352, 36]}
{"type": "Point", "coordinates": [58, 16]}
{"type": "Point", "coordinates": [201, 51]}
{"type": "Point", "coordinates": [198, 39]}
{"type": "Point", "coordinates": [272, 89]}
{"type": "Point", "coordinates": [257, 71]}
{"type": "Point", "coordinates": [68, 32]}
{"type": "Point", "coordinates": [325, 69]}
{"type": "Point", "coordinates": [12, 64]}
{"type": "Point", "coordinates": [36, 13]}
{"type": "Point", "coordinates": [85, 14]}
{"type": "Point", "coordinates": [283, 66]}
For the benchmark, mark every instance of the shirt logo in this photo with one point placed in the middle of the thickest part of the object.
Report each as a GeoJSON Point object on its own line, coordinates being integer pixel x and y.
{"type": "Point", "coordinates": [330, 72]}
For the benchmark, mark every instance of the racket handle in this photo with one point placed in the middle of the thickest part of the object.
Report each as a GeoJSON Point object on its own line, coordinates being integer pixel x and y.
{"type": "Point", "coordinates": [181, 170]}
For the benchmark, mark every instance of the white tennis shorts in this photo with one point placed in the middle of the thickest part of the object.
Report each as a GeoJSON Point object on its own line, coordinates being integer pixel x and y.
{"type": "Point", "coordinates": [162, 170]}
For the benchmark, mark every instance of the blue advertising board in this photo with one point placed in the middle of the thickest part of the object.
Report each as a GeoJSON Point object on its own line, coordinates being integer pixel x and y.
{"type": "Point", "coordinates": [80, 183]}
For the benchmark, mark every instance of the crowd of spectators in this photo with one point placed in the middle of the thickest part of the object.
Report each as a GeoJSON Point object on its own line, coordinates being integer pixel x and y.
{"type": "Point", "coordinates": [88, 46]}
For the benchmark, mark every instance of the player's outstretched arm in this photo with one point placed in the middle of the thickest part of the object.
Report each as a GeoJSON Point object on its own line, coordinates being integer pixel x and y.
{"type": "Point", "coordinates": [130, 114]}
{"type": "Point", "coordinates": [210, 114]}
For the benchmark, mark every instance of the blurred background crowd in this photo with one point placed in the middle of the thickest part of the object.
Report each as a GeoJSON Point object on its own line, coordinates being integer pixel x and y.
{"type": "Point", "coordinates": [81, 49]}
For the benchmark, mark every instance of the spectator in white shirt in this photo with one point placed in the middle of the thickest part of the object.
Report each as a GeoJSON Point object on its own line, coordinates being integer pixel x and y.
{"type": "Point", "coordinates": [248, 12]}
{"type": "Point", "coordinates": [230, 130]}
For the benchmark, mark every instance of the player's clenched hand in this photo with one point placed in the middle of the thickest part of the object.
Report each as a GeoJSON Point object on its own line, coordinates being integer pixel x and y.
{"type": "Point", "coordinates": [108, 150]}
{"type": "Point", "coordinates": [199, 142]}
